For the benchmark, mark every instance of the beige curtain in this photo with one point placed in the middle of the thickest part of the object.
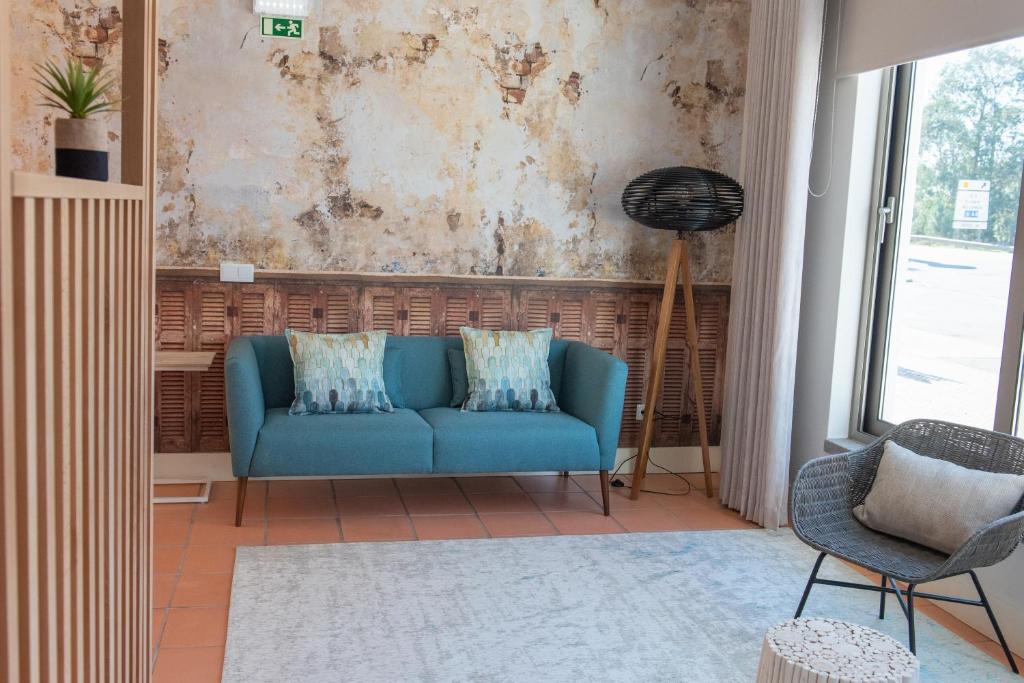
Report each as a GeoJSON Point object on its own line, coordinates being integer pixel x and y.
{"type": "Point", "coordinates": [782, 74]}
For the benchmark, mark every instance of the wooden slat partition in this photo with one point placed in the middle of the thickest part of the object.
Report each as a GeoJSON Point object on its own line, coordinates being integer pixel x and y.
{"type": "Point", "coordinates": [10, 665]}
{"type": "Point", "coordinates": [76, 302]}
{"type": "Point", "coordinates": [199, 313]}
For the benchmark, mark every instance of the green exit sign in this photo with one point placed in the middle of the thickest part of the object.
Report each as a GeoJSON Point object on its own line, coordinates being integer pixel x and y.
{"type": "Point", "coordinates": [281, 27]}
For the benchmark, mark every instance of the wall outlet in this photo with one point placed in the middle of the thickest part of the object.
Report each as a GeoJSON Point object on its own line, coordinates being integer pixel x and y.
{"type": "Point", "coordinates": [237, 272]}
{"type": "Point", "coordinates": [639, 412]}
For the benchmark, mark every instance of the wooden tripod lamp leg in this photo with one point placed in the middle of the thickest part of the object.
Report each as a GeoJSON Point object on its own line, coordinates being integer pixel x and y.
{"type": "Point", "coordinates": [695, 376]}
{"type": "Point", "coordinates": [668, 298]}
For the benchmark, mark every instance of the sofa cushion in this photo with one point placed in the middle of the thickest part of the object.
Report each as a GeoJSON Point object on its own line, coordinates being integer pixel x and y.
{"type": "Point", "coordinates": [508, 370]}
{"type": "Point", "coordinates": [935, 503]}
{"type": "Point", "coordinates": [510, 442]}
{"type": "Point", "coordinates": [338, 373]}
{"type": "Point", "coordinates": [360, 443]}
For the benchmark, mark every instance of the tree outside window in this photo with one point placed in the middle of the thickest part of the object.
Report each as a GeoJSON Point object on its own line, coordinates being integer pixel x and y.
{"type": "Point", "coordinates": [973, 128]}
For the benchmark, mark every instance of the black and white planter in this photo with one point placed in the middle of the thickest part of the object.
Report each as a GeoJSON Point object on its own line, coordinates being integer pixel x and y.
{"type": "Point", "coordinates": [81, 148]}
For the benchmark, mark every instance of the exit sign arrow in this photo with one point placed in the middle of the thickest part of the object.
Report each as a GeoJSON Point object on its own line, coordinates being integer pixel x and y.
{"type": "Point", "coordinates": [281, 27]}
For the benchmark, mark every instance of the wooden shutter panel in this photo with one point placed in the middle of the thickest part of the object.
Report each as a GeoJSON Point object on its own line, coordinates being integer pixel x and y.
{"type": "Point", "coordinates": [380, 309]}
{"type": "Point", "coordinates": [298, 306]}
{"type": "Point", "coordinates": [535, 309]}
{"type": "Point", "coordinates": [420, 318]}
{"type": "Point", "coordinates": [495, 310]}
{"type": "Point", "coordinates": [489, 309]}
{"type": "Point", "coordinates": [679, 426]}
{"type": "Point", "coordinates": [674, 405]}
{"type": "Point", "coordinates": [340, 310]}
{"type": "Point", "coordinates": [640, 324]}
{"type": "Point", "coordinates": [254, 310]}
{"type": "Point", "coordinates": [603, 316]}
{"type": "Point", "coordinates": [214, 328]}
{"type": "Point", "coordinates": [561, 312]}
{"type": "Point", "coordinates": [570, 318]}
{"type": "Point", "coordinates": [712, 326]}
{"type": "Point", "coordinates": [455, 312]}
{"type": "Point", "coordinates": [173, 404]}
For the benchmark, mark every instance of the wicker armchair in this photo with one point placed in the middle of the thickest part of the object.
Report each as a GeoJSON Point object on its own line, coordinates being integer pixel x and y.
{"type": "Point", "coordinates": [827, 489]}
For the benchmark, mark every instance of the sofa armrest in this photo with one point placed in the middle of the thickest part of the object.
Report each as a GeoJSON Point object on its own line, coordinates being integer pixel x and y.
{"type": "Point", "coordinates": [594, 390]}
{"type": "Point", "coordinates": [246, 408]}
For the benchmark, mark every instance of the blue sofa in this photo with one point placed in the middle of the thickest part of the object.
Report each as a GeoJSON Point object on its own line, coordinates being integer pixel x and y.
{"type": "Point", "coordinates": [424, 434]}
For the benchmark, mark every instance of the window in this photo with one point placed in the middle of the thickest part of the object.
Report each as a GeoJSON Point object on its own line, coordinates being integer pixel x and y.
{"type": "Point", "coordinates": [946, 318]}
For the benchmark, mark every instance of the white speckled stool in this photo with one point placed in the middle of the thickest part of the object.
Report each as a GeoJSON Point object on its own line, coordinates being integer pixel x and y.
{"type": "Point", "coordinates": [819, 650]}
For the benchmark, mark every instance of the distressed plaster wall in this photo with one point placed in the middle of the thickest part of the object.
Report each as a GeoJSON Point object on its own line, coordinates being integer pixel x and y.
{"type": "Point", "coordinates": [426, 136]}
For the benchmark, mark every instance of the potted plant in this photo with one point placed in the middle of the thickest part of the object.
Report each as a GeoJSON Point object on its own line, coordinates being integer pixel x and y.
{"type": "Point", "coordinates": [80, 142]}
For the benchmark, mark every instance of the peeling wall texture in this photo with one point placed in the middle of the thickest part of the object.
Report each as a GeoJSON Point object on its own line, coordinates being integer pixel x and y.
{"type": "Point", "coordinates": [431, 136]}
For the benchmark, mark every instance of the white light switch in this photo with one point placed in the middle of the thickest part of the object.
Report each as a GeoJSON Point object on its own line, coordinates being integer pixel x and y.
{"type": "Point", "coordinates": [236, 272]}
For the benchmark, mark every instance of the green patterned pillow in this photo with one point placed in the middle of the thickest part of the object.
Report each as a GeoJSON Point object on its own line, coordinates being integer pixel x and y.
{"type": "Point", "coordinates": [508, 370]}
{"type": "Point", "coordinates": [338, 373]}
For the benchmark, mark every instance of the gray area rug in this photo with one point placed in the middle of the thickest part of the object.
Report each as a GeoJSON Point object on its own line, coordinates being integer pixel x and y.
{"type": "Point", "coordinates": [686, 606]}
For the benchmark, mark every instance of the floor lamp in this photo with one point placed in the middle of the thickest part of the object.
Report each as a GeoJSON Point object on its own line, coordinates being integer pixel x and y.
{"type": "Point", "coordinates": [682, 199]}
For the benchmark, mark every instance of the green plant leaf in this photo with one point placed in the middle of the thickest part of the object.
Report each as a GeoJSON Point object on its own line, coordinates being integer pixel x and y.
{"type": "Point", "coordinates": [75, 89]}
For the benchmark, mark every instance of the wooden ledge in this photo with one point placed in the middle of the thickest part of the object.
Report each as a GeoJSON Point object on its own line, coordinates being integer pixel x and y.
{"type": "Point", "coordinates": [426, 279]}
{"type": "Point", "coordinates": [183, 361]}
{"type": "Point", "coordinates": [38, 185]}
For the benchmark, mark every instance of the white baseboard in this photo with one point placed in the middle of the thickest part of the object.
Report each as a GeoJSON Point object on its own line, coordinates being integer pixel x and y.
{"type": "Point", "coordinates": [672, 458]}
{"type": "Point", "coordinates": [217, 466]}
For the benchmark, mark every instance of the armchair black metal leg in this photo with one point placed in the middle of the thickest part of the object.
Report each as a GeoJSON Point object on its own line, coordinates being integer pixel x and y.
{"type": "Point", "coordinates": [810, 582]}
{"type": "Point", "coordinates": [910, 618]}
{"type": "Point", "coordinates": [995, 624]}
{"type": "Point", "coordinates": [881, 599]}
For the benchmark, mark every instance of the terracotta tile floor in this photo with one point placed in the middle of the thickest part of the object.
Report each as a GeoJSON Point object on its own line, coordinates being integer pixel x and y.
{"type": "Point", "coordinates": [194, 550]}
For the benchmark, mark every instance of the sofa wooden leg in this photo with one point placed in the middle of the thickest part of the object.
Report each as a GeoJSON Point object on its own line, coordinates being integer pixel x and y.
{"type": "Point", "coordinates": [605, 493]}
{"type": "Point", "coordinates": [240, 504]}
{"type": "Point", "coordinates": [565, 473]}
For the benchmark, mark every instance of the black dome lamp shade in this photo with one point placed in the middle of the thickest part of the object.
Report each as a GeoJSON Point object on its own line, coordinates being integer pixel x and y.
{"type": "Point", "coordinates": [683, 199]}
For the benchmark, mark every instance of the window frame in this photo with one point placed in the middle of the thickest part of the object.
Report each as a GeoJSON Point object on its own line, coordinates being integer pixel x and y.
{"type": "Point", "coordinates": [885, 255]}
{"type": "Point", "coordinates": [880, 272]}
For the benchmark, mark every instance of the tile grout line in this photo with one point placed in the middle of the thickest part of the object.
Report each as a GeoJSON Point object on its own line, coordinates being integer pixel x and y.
{"type": "Point", "coordinates": [476, 513]}
{"type": "Point", "coordinates": [174, 584]}
{"type": "Point", "coordinates": [337, 512]}
{"type": "Point", "coordinates": [408, 516]}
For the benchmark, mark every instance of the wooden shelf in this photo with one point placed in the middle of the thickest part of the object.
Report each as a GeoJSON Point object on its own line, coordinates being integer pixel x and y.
{"type": "Point", "coordinates": [41, 185]}
{"type": "Point", "coordinates": [184, 361]}
{"type": "Point", "coordinates": [426, 279]}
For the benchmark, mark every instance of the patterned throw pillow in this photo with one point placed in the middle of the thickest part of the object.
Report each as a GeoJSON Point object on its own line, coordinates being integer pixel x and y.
{"type": "Point", "coordinates": [338, 373]}
{"type": "Point", "coordinates": [508, 370]}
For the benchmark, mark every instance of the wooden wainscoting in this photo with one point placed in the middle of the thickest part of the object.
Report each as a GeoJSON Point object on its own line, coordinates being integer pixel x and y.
{"type": "Point", "coordinates": [196, 312]}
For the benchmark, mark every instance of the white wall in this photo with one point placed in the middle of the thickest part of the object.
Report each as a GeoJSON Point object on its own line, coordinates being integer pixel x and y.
{"type": "Point", "coordinates": [835, 252]}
